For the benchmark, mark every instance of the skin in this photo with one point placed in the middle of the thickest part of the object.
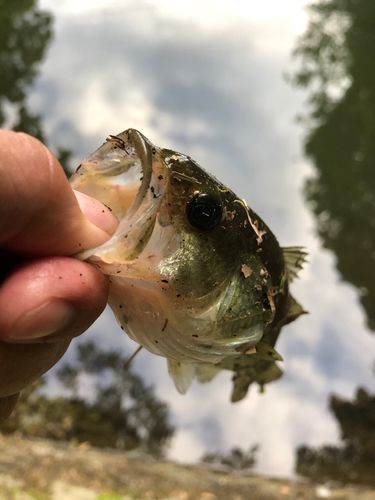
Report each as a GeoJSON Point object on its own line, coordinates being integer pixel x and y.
{"type": "Point", "coordinates": [46, 297]}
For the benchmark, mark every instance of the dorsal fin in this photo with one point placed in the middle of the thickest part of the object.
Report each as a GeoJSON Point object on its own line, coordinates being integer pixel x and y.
{"type": "Point", "coordinates": [294, 258]}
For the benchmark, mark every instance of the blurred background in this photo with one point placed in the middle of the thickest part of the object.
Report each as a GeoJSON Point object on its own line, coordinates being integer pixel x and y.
{"type": "Point", "coordinates": [278, 101]}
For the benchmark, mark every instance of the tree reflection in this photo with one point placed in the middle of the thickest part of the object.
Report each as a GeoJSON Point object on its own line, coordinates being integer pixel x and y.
{"type": "Point", "coordinates": [236, 458]}
{"type": "Point", "coordinates": [355, 460]}
{"type": "Point", "coordinates": [118, 411]}
{"type": "Point", "coordinates": [338, 66]}
{"type": "Point", "coordinates": [25, 32]}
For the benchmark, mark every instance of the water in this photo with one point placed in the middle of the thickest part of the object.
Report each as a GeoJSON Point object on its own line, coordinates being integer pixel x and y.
{"type": "Point", "coordinates": [212, 86]}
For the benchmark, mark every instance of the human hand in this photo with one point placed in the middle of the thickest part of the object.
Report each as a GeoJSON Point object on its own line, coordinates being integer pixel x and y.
{"type": "Point", "coordinates": [46, 297]}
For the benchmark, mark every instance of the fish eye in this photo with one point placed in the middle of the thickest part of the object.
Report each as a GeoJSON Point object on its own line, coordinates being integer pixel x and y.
{"type": "Point", "coordinates": [204, 211]}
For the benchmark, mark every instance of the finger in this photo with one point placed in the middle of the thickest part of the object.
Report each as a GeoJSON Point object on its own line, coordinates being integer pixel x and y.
{"type": "Point", "coordinates": [7, 405]}
{"type": "Point", "coordinates": [50, 298]}
{"type": "Point", "coordinates": [22, 364]}
{"type": "Point", "coordinates": [40, 214]}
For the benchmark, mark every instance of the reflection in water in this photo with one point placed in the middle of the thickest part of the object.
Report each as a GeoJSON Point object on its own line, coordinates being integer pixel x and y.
{"type": "Point", "coordinates": [338, 50]}
{"type": "Point", "coordinates": [207, 96]}
{"type": "Point", "coordinates": [354, 461]}
{"type": "Point", "coordinates": [236, 458]}
{"type": "Point", "coordinates": [338, 57]}
{"type": "Point", "coordinates": [25, 32]}
{"type": "Point", "coordinates": [125, 414]}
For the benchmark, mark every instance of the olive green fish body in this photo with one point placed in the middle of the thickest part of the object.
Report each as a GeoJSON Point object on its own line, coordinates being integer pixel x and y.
{"type": "Point", "coordinates": [196, 275]}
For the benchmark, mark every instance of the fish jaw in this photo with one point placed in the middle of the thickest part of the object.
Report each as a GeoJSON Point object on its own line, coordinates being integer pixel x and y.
{"type": "Point", "coordinates": [125, 175]}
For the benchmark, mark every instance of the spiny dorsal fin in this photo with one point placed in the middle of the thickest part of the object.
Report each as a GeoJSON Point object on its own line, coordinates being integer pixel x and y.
{"type": "Point", "coordinates": [181, 374]}
{"type": "Point", "coordinates": [294, 258]}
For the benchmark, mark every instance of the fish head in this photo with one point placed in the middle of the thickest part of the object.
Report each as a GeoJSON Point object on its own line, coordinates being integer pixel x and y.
{"type": "Point", "coordinates": [195, 274]}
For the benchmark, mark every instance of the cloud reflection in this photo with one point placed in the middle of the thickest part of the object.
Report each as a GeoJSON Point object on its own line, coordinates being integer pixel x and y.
{"type": "Point", "coordinates": [219, 99]}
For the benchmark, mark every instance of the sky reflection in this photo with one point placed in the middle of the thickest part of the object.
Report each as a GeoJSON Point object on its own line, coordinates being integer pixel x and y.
{"type": "Point", "coordinates": [217, 93]}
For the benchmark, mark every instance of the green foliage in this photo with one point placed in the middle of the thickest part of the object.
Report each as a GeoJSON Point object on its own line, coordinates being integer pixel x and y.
{"type": "Point", "coordinates": [235, 458]}
{"type": "Point", "coordinates": [109, 496]}
{"type": "Point", "coordinates": [125, 414]}
{"type": "Point", "coordinates": [25, 33]}
{"type": "Point", "coordinates": [338, 67]}
{"type": "Point", "coordinates": [354, 461]}
{"type": "Point", "coordinates": [337, 55]}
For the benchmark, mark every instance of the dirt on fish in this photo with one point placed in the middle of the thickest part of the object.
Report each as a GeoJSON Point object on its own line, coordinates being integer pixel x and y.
{"type": "Point", "coordinates": [45, 470]}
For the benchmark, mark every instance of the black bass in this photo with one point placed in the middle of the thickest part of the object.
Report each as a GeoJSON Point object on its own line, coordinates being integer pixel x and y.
{"type": "Point", "coordinates": [196, 275]}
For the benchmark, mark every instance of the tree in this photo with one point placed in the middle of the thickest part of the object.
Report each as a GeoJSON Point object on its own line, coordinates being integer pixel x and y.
{"type": "Point", "coordinates": [123, 412]}
{"type": "Point", "coordinates": [25, 33]}
{"type": "Point", "coordinates": [337, 53]}
{"type": "Point", "coordinates": [354, 461]}
{"type": "Point", "coordinates": [235, 458]}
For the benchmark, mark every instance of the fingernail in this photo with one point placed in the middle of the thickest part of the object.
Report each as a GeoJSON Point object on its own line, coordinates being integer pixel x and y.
{"type": "Point", "coordinates": [49, 318]}
{"type": "Point", "coordinates": [97, 213]}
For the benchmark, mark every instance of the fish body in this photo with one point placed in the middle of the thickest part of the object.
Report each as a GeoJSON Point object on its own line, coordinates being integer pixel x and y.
{"type": "Point", "coordinates": [196, 276]}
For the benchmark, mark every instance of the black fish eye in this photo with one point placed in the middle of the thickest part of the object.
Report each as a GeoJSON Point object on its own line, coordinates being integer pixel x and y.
{"type": "Point", "coordinates": [204, 211]}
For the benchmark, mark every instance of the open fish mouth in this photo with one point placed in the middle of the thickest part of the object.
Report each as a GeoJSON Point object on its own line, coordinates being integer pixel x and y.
{"type": "Point", "coordinates": [125, 175]}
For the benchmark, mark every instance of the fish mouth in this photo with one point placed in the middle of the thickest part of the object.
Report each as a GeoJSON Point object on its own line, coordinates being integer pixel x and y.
{"type": "Point", "coordinates": [125, 175]}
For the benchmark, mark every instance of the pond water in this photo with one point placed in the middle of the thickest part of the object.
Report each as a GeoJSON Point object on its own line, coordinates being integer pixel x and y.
{"type": "Point", "coordinates": [209, 80]}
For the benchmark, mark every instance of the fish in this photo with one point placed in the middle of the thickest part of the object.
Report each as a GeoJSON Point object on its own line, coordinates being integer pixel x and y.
{"type": "Point", "coordinates": [195, 275]}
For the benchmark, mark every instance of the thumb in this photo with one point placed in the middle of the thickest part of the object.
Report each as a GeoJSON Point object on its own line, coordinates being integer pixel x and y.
{"type": "Point", "coordinates": [40, 214]}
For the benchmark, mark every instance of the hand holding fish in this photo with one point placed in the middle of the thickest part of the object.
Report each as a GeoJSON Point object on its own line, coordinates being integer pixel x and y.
{"type": "Point", "coordinates": [46, 298]}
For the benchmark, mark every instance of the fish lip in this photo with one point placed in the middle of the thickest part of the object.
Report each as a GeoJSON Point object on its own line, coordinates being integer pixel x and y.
{"type": "Point", "coordinates": [144, 151]}
{"type": "Point", "coordinates": [143, 148]}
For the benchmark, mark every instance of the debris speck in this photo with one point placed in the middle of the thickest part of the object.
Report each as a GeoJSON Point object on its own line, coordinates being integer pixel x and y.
{"type": "Point", "coordinates": [247, 349]}
{"type": "Point", "coordinates": [246, 271]}
{"type": "Point", "coordinates": [270, 300]}
{"type": "Point", "coordinates": [254, 224]}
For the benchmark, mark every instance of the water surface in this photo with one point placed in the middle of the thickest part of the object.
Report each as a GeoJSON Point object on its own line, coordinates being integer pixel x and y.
{"type": "Point", "coordinates": [217, 93]}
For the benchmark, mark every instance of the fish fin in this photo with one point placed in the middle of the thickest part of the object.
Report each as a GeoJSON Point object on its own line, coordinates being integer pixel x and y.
{"type": "Point", "coordinates": [241, 383]}
{"type": "Point", "coordinates": [294, 258]}
{"type": "Point", "coordinates": [267, 352]}
{"type": "Point", "coordinates": [206, 372]}
{"type": "Point", "coordinates": [272, 373]}
{"type": "Point", "coordinates": [181, 374]}
{"type": "Point", "coordinates": [295, 311]}
{"type": "Point", "coordinates": [242, 380]}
